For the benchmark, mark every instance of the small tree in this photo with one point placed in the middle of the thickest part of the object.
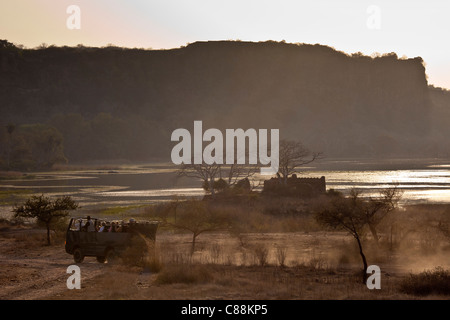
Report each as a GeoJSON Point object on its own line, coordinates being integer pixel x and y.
{"type": "Point", "coordinates": [294, 154]}
{"type": "Point", "coordinates": [376, 209]}
{"type": "Point", "coordinates": [194, 216]}
{"type": "Point", "coordinates": [345, 214]}
{"type": "Point", "coordinates": [45, 210]}
{"type": "Point", "coordinates": [217, 177]}
{"type": "Point", "coordinates": [205, 172]}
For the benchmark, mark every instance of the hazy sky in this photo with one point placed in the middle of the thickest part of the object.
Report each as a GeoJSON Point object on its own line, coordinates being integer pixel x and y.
{"type": "Point", "coordinates": [411, 28]}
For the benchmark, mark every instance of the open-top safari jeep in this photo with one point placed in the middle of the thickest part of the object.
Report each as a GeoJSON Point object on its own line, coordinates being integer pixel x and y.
{"type": "Point", "coordinates": [106, 240]}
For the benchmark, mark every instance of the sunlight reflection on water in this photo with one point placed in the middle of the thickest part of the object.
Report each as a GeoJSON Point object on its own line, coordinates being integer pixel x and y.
{"type": "Point", "coordinates": [429, 182]}
{"type": "Point", "coordinates": [418, 185]}
{"type": "Point", "coordinates": [184, 192]}
{"type": "Point", "coordinates": [424, 185]}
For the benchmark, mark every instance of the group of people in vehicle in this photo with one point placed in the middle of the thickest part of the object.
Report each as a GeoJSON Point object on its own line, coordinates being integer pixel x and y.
{"type": "Point", "coordinates": [89, 225]}
{"type": "Point", "coordinates": [113, 227]}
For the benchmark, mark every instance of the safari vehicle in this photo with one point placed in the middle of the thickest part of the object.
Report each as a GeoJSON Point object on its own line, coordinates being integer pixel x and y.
{"type": "Point", "coordinates": [104, 239]}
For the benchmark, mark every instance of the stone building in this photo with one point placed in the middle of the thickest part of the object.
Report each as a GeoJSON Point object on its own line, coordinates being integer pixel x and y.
{"type": "Point", "coordinates": [294, 186]}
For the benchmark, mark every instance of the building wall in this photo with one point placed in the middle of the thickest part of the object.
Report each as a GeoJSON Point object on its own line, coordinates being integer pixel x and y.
{"type": "Point", "coordinates": [302, 187]}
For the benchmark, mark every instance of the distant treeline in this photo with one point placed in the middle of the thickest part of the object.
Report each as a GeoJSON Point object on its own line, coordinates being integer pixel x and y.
{"type": "Point", "coordinates": [115, 103]}
{"type": "Point", "coordinates": [75, 138]}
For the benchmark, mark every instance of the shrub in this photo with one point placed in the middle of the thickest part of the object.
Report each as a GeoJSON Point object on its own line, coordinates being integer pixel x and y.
{"type": "Point", "coordinates": [142, 253]}
{"type": "Point", "coordinates": [153, 263]}
{"type": "Point", "coordinates": [261, 254]}
{"type": "Point", "coordinates": [435, 281]}
{"type": "Point", "coordinates": [281, 256]}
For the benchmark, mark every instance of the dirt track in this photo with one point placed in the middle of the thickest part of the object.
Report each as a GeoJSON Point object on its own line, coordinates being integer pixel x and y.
{"type": "Point", "coordinates": [34, 274]}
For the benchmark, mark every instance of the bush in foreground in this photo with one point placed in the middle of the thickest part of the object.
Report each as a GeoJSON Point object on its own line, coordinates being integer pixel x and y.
{"type": "Point", "coordinates": [436, 281]}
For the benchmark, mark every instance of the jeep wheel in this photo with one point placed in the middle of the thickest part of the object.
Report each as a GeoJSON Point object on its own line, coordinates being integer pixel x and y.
{"type": "Point", "coordinates": [78, 256]}
{"type": "Point", "coordinates": [101, 259]}
{"type": "Point", "coordinates": [111, 256]}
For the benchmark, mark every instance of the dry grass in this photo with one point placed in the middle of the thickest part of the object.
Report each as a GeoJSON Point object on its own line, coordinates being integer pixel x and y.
{"type": "Point", "coordinates": [264, 269]}
{"type": "Point", "coordinates": [184, 273]}
{"type": "Point", "coordinates": [197, 281]}
{"type": "Point", "coordinates": [246, 264]}
{"type": "Point", "coordinates": [436, 281]}
{"type": "Point", "coordinates": [24, 237]}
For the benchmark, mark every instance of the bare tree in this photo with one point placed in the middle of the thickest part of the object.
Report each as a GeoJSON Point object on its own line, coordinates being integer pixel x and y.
{"type": "Point", "coordinates": [194, 216]}
{"type": "Point", "coordinates": [344, 214]}
{"type": "Point", "coordinates": [294, 154]}
{"type": "Point", "coordinates": [376, 209]}
{"type": "Point", "coordinates": [205, 172]}
{"type": "Point", "coordinates": [354, 213]}
{"type": "Point", "coordinates": [208, 173]}
{"type": "Point", "coordinates": [237, 172]}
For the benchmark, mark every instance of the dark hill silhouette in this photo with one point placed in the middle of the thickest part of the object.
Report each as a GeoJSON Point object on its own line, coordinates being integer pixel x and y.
{"type": "Point", "coordinates": [116, 103]}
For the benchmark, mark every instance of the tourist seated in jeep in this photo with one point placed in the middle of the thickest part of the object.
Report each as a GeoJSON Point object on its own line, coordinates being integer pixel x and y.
{"type": "Point", "coordinates": [101, 227]}
{"type": "Point", "coordinates": [87, 225]}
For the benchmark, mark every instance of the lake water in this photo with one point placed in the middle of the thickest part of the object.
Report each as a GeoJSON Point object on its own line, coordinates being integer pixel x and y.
{"type": "Point", "coordinates": [422, 181]}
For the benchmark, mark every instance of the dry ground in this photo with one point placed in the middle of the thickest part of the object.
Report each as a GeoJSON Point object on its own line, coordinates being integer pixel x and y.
{"type": "Point", "coordinates": [29, 271]}
{"type": "Point", "coordinates": [316, 266]}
